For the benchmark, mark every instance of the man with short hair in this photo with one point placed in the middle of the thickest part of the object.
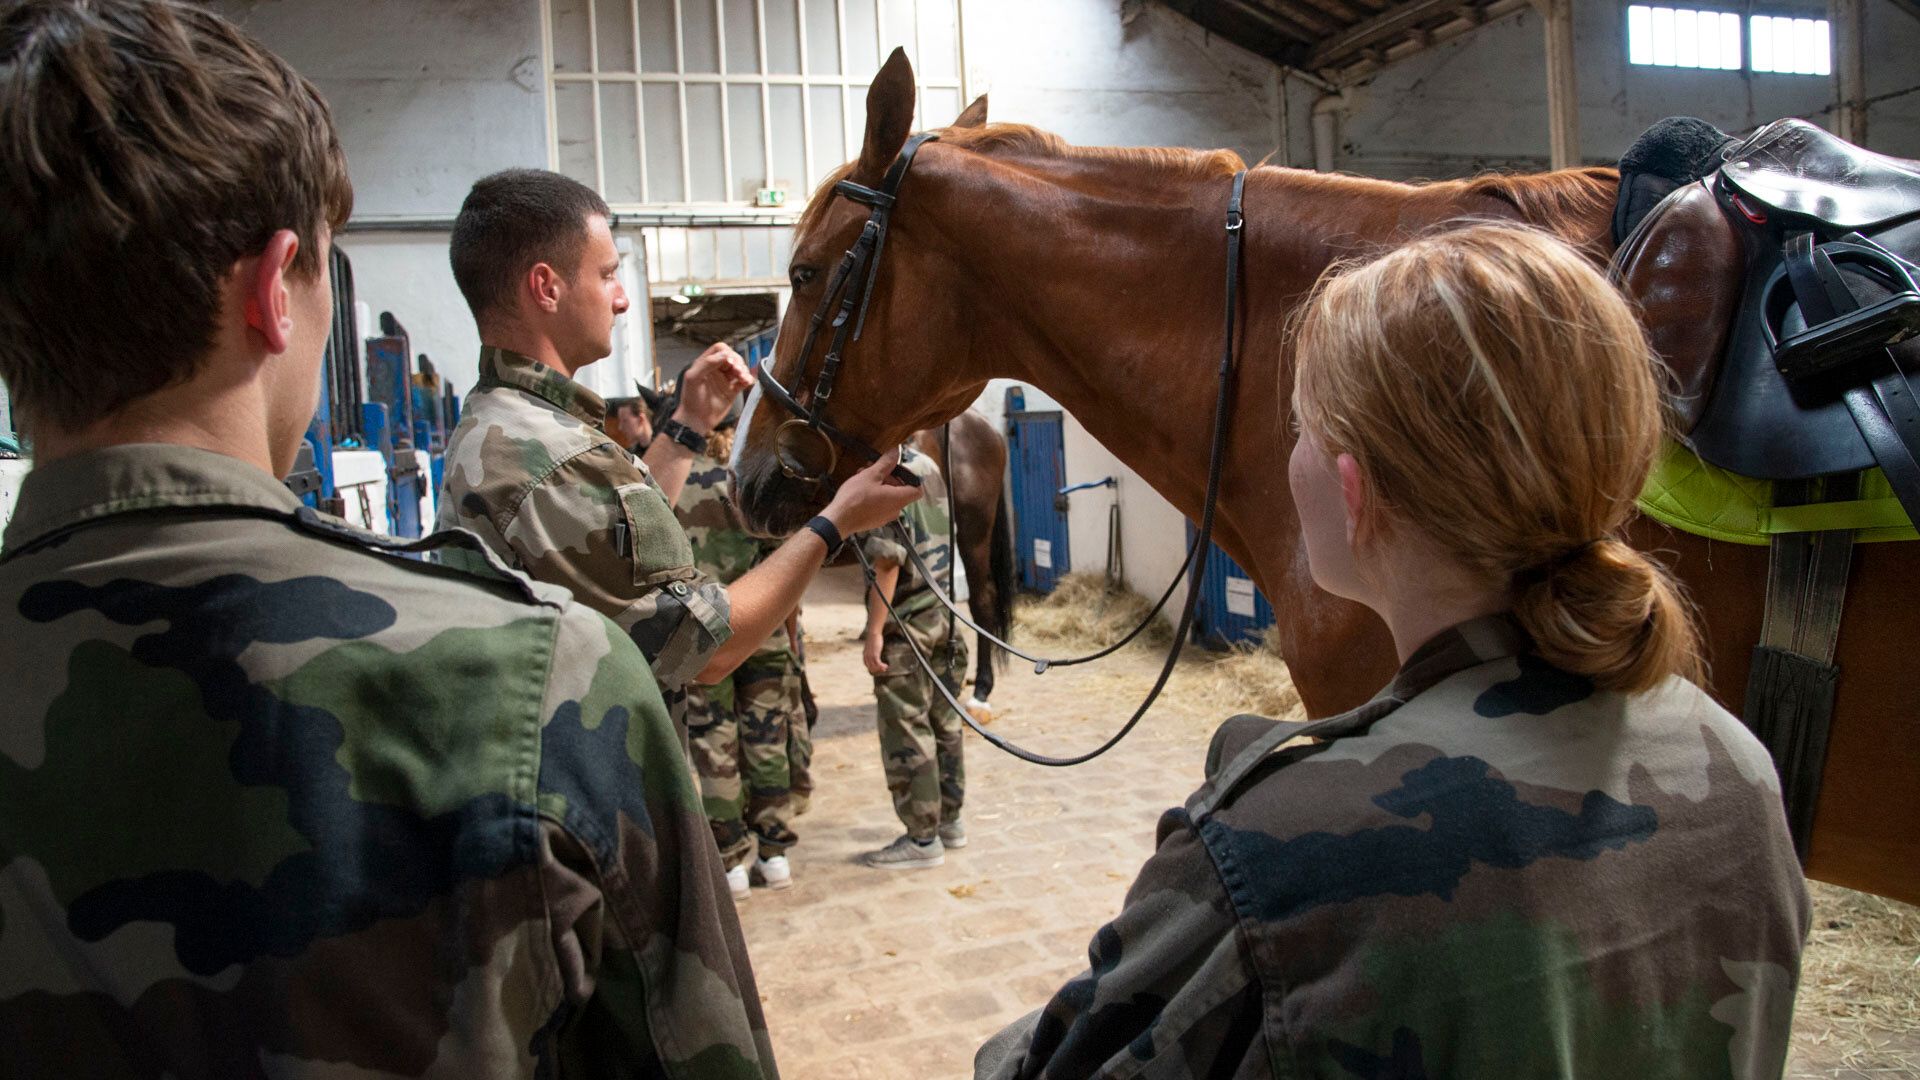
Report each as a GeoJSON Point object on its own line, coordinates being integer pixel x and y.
{"type": "Point", "coordinates": [274, 799]}
{"type": "Point", "coordinates": [532, 472]}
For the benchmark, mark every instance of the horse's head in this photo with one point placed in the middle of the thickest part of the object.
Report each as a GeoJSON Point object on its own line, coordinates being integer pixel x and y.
{"type": "Point", "coordinates": [909, 368]}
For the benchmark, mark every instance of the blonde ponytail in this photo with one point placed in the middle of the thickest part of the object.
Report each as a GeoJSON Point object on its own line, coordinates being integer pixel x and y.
{"type": "Point", "coordinates": [1501, 398]}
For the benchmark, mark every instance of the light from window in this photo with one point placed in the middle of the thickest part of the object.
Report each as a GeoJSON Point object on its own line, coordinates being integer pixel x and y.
{"type": "Point", "coordinates": [1792, 46]}
{"type": "Point", "coordinates": [1683, 37]}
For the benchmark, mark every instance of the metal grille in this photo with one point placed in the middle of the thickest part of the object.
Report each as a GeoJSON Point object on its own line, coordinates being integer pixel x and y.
{"type": "Point", "coordinates": [710, 102]}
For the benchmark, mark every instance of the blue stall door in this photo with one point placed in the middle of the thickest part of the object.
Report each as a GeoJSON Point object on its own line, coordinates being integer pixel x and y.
{"type": "Point", "coordinates": [1036, 445]}
{"type": "Point", "coordinates": [1231, 610]}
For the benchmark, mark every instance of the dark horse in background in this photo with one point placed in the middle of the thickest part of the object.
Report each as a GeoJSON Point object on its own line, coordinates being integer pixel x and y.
{"type": "Point", "coordinates": [973, 458]}
{"type": "Point", "coordinates": [1097, 275]}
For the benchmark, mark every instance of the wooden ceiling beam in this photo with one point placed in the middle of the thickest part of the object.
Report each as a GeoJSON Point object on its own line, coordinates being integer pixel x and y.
{"type": "Point", "coordinates": [1380, 31]}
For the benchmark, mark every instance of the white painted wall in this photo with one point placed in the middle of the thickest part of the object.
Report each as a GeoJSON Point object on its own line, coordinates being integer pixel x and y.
{"type": "Point", "coordinates": [1481, 99]}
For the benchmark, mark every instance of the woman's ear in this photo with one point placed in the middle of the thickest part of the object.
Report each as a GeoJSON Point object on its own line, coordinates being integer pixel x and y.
{"type": "Point", "coordinates": [1357, 493]}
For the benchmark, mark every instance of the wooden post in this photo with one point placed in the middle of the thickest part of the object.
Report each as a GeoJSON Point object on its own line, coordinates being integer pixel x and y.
{"type": "Point", "coordinates": [1563, 92]}
{"type": "Point", "coordinates": [1849, 69]}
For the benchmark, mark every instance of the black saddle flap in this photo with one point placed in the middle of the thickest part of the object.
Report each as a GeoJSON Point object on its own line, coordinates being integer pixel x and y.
{"type": "Point", "coordinates": [1793, 167]}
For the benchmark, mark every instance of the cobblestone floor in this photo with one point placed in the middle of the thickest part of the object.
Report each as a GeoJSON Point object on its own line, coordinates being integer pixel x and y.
{"type": "Point", "coordinates": [876, 975]}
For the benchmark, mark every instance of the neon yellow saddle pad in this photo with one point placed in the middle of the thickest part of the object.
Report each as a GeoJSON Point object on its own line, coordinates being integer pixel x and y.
{"type": "Point", "coordinates": [1693, 496]}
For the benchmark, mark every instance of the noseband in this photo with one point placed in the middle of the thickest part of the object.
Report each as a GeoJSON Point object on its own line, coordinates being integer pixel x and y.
{"type": "Point", "coordinates": [808, 447]}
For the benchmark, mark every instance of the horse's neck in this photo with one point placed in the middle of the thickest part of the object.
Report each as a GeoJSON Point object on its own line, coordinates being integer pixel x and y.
{"type": "Point", "coordinates": [1129, 340]}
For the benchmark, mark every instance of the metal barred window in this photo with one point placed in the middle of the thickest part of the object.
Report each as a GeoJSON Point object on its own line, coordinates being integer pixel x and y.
{"type": "Point", "coordinates": [1660, 36]}
{"type": "Point", "coordinates": [730, 103]}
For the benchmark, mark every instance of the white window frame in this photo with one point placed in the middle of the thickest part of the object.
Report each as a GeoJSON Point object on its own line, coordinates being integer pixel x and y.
{"type": "Point", "coordinates": [851, 116]}
{"type": "Point", "coordinates": [1748, 18]}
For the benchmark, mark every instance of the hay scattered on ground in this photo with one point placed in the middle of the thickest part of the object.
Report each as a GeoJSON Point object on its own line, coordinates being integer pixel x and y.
{"type": "Point", "coordinates": [1860, 980]}
{"type": "Point", "coordinates": [1083, 613]}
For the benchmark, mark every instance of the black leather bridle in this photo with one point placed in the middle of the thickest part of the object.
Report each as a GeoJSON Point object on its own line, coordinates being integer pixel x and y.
{"type": "Point", "coordinates": [807, 447]}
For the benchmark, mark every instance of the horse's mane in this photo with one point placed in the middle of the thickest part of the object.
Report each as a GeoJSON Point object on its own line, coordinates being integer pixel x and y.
{"type": "Point", "coordinates": [1016, 141]}
{"type": "Point", "coordinates": [1550, 200]}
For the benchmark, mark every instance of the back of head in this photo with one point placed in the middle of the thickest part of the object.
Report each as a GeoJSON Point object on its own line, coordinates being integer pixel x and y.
{"type": "Point", "coordinates": [512, 221]}
{"type": "Point", "coordinates": [145, 147]}
{"type": "Point", "coordinates": [1501, 399]}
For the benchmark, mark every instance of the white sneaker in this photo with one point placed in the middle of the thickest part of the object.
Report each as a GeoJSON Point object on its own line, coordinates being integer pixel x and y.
{"type": "Point", "coordinates": [953, 834]}
{"type": "Point", "coordinates": [774, 873]}
{"type": "Point", "coordinates": [737, 883]}
{"type": "Point", "coordinates": [905, 854]}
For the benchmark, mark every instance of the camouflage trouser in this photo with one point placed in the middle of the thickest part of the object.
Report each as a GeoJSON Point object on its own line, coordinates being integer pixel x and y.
{"type": "Point", "coordinates": [920, 734]}
{"type": "Point", "coordinates": [741, 732]}
{"type": "Point", "coordinates": [800, 751]}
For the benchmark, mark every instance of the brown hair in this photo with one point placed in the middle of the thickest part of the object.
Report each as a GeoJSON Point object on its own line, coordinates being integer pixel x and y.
{"type": "Point", "coordinates": [512, 221]}
{"type": "Point", "coordinates": [145, 146]}
{"type": "Point", "coordinates": [1501, 398]}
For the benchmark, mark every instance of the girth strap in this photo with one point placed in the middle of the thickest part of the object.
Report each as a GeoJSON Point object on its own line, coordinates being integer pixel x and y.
{"type": "Point", "coordinates": [1792, 681]}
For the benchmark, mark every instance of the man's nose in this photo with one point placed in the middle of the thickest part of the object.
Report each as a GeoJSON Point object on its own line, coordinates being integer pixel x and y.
{"type": "Point", "coordinates": [619, 299]}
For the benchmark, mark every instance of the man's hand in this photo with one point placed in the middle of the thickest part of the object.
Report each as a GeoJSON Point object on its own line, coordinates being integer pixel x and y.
{"type": "Point", "coordinates": [708, 388]}
{"type": "Point", "coordinates": [870, 652]}
{"type": "Point", "coordinates": [870, 498]}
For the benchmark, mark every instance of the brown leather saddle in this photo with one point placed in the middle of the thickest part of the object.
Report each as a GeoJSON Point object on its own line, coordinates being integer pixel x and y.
{"type": "Point", "coordinates": [1778, 282]}
{"type": "Point", "coordinates": [1780, 289]}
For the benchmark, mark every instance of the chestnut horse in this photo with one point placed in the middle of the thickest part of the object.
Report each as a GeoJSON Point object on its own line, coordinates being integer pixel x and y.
{"type": "Point", "coordinates": [1097, 275]}
{"type": "Point", "coordinates": [976, 472]}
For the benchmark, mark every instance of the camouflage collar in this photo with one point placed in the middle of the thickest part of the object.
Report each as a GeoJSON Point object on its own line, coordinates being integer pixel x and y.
{"type": "Point", "coordinates": [503, 367]}
{"type": "Point", "coordinates": [141, 476]}
{"type": "Point", "coordinates": [1470, 644]}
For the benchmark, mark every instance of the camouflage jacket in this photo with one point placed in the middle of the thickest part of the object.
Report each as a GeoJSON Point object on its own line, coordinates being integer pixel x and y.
{"type": "Point", "coordinates": [1491, 869]}
{"type": "Point", "coordinates": [275, 801]}
{"type": "Point", "coordinates": [722, 548]}
{"type": "Point", "coordinates": [531, 472]}
{"type": "Point", "coordinates": [925, 523]}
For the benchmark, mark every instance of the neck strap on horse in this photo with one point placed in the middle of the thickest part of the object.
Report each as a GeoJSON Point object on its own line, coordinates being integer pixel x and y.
{"type": "Point", "coordinates": [1194, 568]}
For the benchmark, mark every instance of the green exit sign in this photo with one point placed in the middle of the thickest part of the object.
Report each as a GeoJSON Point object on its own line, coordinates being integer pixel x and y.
{"type": "Point", "coordinates": [770, 196]}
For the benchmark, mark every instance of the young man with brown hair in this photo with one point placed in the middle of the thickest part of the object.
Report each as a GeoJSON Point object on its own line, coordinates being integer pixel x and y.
{"type": "Point", "coordinates": [530, 468]}
{"type": "Point", "coordinates": [272, 799]}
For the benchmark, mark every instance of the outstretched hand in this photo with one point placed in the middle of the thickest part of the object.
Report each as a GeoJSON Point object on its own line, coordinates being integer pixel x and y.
{"type": "Point", "coordinates": [710, 385]}
{"type": "Point", "coordinates": [871, 497]}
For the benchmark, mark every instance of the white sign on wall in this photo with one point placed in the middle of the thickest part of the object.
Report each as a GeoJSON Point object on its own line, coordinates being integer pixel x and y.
{"type": "Point", "coordinates": [1043, 554]}
{"type": "Point", "coordinates": [1239, 596]}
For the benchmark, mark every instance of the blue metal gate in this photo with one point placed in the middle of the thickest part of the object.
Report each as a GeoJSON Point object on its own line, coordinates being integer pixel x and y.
{"type": "Point", "coordinates": [1230, 609]}
{"type": "Point", "coordinates": [1036, 449]}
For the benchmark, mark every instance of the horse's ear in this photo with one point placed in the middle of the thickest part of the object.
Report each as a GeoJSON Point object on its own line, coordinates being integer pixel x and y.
{"type": "Point", "coordinates": [889, 116]}
{"type": "Point", "coordinates": [974, 115]}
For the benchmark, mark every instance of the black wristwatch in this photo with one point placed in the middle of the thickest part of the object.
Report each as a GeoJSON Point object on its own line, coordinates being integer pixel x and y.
{"type": "Point", "coordinates": [826, 531]}
{"type": "Point", "coordinates": [684, 435]}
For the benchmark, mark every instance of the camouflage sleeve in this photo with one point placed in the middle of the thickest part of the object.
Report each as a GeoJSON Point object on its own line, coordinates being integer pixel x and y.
{"type": "Point", "coordinates": [883, 545]}
{"type": "Point", "coordinates": [644, 937]}
{"type": "Point", "coordinates": [1167, 980]}
{"type": "Point", "coordinates": [596, 526]}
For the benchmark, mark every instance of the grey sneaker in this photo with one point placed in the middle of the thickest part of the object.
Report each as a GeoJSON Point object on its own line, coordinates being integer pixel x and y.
{"type": "Point", "coordinates": [905, 854]}
{"type": "Point", "coordinates": [953, 834]}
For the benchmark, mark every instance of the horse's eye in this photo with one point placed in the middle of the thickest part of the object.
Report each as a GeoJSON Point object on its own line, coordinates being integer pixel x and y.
{"type": "Point", "coordinates": [801, 275]}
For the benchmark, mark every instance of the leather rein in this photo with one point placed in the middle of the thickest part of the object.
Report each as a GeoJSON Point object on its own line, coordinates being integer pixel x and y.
{"type": "Point", "coordinates": [851, 288]}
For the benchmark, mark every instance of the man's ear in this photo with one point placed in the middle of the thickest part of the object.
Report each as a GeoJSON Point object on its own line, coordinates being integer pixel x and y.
{"type": "Point", "coordinates": [267, 310]}
{"type": "Point", "coordinates": [545, 284]}
{"type": "Point", "coordinates": [1357, 493]}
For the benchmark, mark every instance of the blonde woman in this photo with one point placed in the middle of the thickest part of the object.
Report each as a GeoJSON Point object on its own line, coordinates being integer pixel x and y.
{"type": "Point", "coordinates": [1541, 850]}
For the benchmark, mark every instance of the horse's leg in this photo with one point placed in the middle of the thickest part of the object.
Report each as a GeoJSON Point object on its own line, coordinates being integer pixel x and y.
{"type": "Point", "coordinates": [982, 602]}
